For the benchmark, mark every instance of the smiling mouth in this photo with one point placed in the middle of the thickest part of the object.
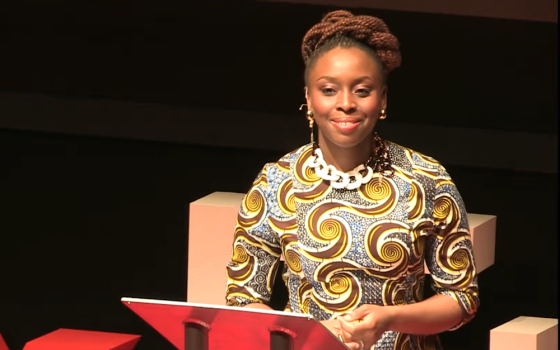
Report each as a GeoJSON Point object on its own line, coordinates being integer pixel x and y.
{"type": "Point", "coordinates": [345, 125]}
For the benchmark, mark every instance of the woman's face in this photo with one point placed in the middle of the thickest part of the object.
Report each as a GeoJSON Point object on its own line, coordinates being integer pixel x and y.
{"type": "Point", "coordinates": [346, 94]}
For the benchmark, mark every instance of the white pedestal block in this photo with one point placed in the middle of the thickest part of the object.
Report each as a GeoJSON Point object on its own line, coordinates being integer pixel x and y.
{"type": "Point", "coordinates": [525, 333]}
{"type": "Point", "coordinates": [212, 221]}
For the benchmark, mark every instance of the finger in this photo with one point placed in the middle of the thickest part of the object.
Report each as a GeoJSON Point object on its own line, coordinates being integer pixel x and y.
{"type": "Point", "coordinates": [346, 337]}
{"type": "Point", "coordinates": [353, 345]}
{"type": "Point", "coordinates": [345, 324]}
{"type": "Point", "coordinates": [353, 334]}
{"type": "Point", "coordinates": [357, 314]}
{"type": "Point", "coordinates": [353, 320]}
{"type": "Point", "coordinates": [347, 334]}
{"type": "Point", "coordinates": [336, 324]}
{"type": "Point", "coordinates": [350, 325]}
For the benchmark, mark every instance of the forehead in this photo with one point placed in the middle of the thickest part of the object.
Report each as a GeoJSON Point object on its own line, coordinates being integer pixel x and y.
{"type": "Point", "coordinates": [346, 62]}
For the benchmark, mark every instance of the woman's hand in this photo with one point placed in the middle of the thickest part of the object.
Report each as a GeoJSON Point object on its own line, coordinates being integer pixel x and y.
{"type": "Point", "coordinates": [363, 327]}
{"type": "Point", "coordinates": [332, 325]}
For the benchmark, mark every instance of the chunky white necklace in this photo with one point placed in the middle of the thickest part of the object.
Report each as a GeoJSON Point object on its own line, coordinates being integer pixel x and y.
{"type": "Point", "coordinates": [350, 180]}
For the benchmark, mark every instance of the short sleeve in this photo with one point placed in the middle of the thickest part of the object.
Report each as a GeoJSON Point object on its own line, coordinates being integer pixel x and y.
{"type": "Point", "coordinates": [256, 251]}
{"type": "Point", "coordinates": [449, 252]}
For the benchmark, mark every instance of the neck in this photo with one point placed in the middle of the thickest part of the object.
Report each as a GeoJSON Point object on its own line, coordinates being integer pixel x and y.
{"type": "Point", "coordinates": [346, 159]}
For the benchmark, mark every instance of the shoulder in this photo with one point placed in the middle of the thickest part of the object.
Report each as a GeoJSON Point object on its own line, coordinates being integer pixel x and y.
{"type": "Point", "coordinates": [288, 161]}
{"type": "Point", "coordinates": [411, 160]}
{"type": "Point", "coordinates": [278, 172]}
{"type": "Point", "coordinates": [296, 155]}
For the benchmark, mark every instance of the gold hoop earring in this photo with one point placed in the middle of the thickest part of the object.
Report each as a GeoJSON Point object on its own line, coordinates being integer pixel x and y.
{"type": "Point", "coordinates": [309, 115]}
{"type": "Point", "coordinates": [383, 114]}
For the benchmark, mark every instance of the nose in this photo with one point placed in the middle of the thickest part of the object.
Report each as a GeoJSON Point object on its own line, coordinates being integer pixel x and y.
{"type": "Point", "coordinates": [346, 102]}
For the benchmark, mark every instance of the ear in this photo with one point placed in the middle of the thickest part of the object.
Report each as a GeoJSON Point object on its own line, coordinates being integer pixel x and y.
{"type": "Point", "coordinates": [384, 97]}
{"type": "Point", "coordinates": [306, 90]}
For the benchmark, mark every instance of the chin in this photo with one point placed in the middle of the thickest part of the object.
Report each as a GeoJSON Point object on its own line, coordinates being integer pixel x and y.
{"type": "Point", "coordinates": [344, 141]}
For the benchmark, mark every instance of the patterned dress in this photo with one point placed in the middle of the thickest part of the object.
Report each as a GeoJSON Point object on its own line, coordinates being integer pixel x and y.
{"type": "Point", "coordinates": [345, 248]}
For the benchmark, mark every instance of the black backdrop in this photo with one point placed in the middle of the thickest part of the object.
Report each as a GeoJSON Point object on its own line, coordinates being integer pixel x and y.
{"type": "Point", "coordinates": [87, 220]}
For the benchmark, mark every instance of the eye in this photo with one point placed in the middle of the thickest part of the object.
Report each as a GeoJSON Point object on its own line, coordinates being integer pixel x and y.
{"type": "Point", "coordinates": [363, 92]}
{"type": "Point", "coordinates": [327, 91]}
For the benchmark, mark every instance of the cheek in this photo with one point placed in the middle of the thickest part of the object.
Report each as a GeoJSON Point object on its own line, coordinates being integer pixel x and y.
{"type": "Point", "coordinates": [321, 104]}
{"type": "Point", "coordinates": [369, 106]}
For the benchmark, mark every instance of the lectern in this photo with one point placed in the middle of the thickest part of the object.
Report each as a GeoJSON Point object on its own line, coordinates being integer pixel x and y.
{"type": "Point", "coordinates": [3, 345]}
{"type": "Point", "coordinates": [190, 326]}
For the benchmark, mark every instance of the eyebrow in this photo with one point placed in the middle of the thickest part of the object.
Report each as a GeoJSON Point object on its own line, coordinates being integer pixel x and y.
{"type": "Point", "coordinates": [358, 80]}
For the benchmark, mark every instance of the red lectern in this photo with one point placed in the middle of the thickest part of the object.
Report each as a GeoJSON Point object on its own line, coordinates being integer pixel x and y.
{"type": "Point", "coordinates": [190, 326]}
{"type": "Point", "coordinates": [3, 345]}
{"type": "Point", "coordinates": [73, 339]}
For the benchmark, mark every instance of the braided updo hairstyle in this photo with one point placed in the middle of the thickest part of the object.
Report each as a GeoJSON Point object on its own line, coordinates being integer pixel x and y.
{"type": "Point", "coordinates": [343, 29]}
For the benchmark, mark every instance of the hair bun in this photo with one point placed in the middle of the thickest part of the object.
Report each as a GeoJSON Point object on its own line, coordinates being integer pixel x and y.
{"type": "Point", "coordinates": [335, 16]}
{"type": "Point", "coordinates": [369, 30]}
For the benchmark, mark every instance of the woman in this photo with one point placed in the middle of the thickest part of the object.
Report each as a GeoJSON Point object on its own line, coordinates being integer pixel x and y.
{"type": "Point", "coordinates": [355, 216]}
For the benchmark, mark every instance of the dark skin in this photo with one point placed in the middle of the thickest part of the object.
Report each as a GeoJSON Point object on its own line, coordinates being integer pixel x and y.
{"type": "Point", "coordinates": [346, 85]}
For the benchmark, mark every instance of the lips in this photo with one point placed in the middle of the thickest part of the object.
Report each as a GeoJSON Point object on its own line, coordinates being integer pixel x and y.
{"type": "Point", "coordinates": [346, 123]}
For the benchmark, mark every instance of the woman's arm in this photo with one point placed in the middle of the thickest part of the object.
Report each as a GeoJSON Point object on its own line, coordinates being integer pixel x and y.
{"type": "Point", "coordinates": [449, 256]}
{"type": "Point", "coordinates": [431, 316]}
{"type": "Point", "coordinates": [364, 326]}
{"type": "Point", "coordinates": [450, 260]}
{"type": "Point", "coordinates": [256, 250]}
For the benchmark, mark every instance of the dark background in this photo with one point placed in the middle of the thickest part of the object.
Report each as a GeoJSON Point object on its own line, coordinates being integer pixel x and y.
{"type": "Point", "coordinates": [87, 220]}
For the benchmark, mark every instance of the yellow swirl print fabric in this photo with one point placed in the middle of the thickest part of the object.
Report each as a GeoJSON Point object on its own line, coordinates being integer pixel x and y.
{"type": "Point", "coordinates": [344, 248]}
